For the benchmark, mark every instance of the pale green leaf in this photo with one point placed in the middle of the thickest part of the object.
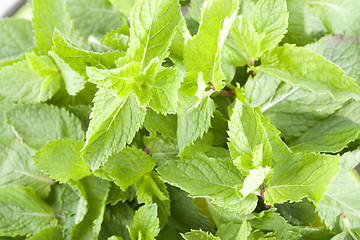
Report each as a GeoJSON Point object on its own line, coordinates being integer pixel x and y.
{"type": "Point", "coordinates": [246, 38]}
{"type": "Point", "coordinates": [208, 177]}
{"type": "Point", "coordinates": [70, 205]}
{"type": "Point", "coordinates": [94, 17]}
{"type": "Point", "coordinates": [113, 124]}
{"type": "Point", "coordinates": [304, 68]}
{"type": "Point", "coordinates": [255, 178]}
{"type": "Point", "coordinates": [195, 9]}
{"type": "Point", "coordinates": [23, 212]}
{"type": "Point", "coordinates": [199, 235]}
{"type": "Point", "coordinates": [17, 168]}
{"type": "Point", "coordinates": [16, 38]}
{"type": "Point", "coordinates": [78, 59]}
{"type": "Point", "coordinates": [164, 91]}
{"type": "Point", "coordinates": [118, 81]}
{"type": "Point", "coordinates": [50, 233]}
{"type": "Point", "coordinates": [63, 154]}
{"type": "Point", "coordinates": [166, 125]}
{"type": "Point", "coordinates": [18, 82]}
{"type": "Point", "coordinates": [40, 123]}
{"type": "Point", "coordinates": [5, 129]}
{"type": "Point", "coordinates": [153, 27]}
{"type": "Point", "coordinates": [270, 20]}
{"type": "Point", "coordinates": [118, 39]}
{"type": "Point", "coordinates": [151, 189]}
{"type": "Point", "coordinates": [194, 121]}
{"type": "Point", "coordinates": [303, 175]}
{"type": "Point", "coordinates": [73, 81]}
{"type": "Point", "coordinates": [48, 15]}
{"type": "Point", "coordinates": [127, 167]}
{"type": "Point", "coordinates": [249, 143]}
{"type": "Point", "coordinates": [234, 231]}
{"type": "Point", "coordinates": [146, 223]}
{"type": "Point", "coordinates": [123, 6]}
{"type": "Point", "coordinates": [96, 191]}
{"type": "Point", "coordinates": [203, 52]}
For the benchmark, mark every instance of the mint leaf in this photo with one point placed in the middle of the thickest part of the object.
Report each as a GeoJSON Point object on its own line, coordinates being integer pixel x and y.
{"type": "Point", "coordinates": [27, 215]}
{"type": "Point", "coordinates": [78, 59]}
{"type": "Point", "coordinates": [146, 223]}
{"type": "Point", "coordinates": [18, 168]}
{"type": "Point", "coordinates": [153, 27]}
{"type": "Point", "coordinates": [85, 15]}
{"type": "Point", "coordinates": [254, 179]}
{"type": "Point", "coordinates": [65, 155]}
{"type": "Point", "coordinates": [16, 38]}
{"type": "Point", "coordinates": [48, 16]}
{"type": "Point", "coordinates": [18, 82]}
{"type": "Point", "coordinates": [291, 65]}
{"type": "Point", "coordinates": [304, 175]}
{"type": "Point", "coordinates": [123, 6]}
{"type": "Point", "coordinates": [118, 39]}
{"type": "Point", "coordinates": [113, 124]}
{"type": "Point", "coordinates": [216, 20]}
{"type": "Point", "coordinates": [40, 123]}
{"type": "Point", "coordinates": [194, 121]}
{"type": "Point", "coordinates": [207, 177]}
{"type": "Point", "coordinates": [166, 125]}
{"type": "Point", "coordinates": [48, 234]}
{"type": "Point", "coordinates": [270, 20]}
{"type": "Point", "coordinates": [199, 235]}
{"type": "Point", "coordinates": [127, 167]}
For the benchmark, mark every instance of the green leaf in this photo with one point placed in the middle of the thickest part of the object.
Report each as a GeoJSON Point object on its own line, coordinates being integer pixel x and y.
{"type": "Point", "coordinates": [304, 68]}
{"type": "Point", "coordinates": [195, 9]}
{"type": "Point", "coordinates": [78, 59]}
{"type": "Point", "coordinates": [127, 167]}
{"type": "Point", "coordinates": [146, 223]}
{"type": "Point", "coordinates": [48, 16]}
{"type": "Point", "coordinates": [304, 175]}
{"type": "Point", "coordinates": [86, 15]}
{"type": "Point", "coordinates": [255, 178]}
{"type": "Point", "coordinates": [65, 155]}
{"type": "Point", "coordinates": [199, 235]}
{"type": "Point", "coordinates": [194, 121]}
{"type": "Point", "coordinates": [153, 27]}
{"type": "Point", "coordinates": [69, 203]}
{"type": "Point", "coordinates": [166, 125]}
{"type": "Point", "coordinates": [18, 168]}
{"type": "Point", "coordinates": [164, 91]}
{"type": "Point", "coordinates": [40, 123]}
{"type": "Point", "coordinates": [18, 82]}
{"type": "Point", "coordinates": [16, 38]}
{"type": "Point", "coordinates": [246, 38]}
{"type": "Point", "coordinates": [48, 234]}
{"type": "Point", "coordinates": [216, 19]}
{"type": "Point", "coordinates": [298, 213]}
{"type": "Point", "coordinates": [151, 189]}
{"type": "Point", "coordinates": [208, 177]}
{"type": "Point", "coordinates": [118, 39]}
{"type": "Point", "coordinates": [249, 143]}
{"type": "Point", "coordinates": [113, 124]}
{"type": "Point", "coordinates": [5, 129]}
{"type": "Point", "coordinates": [23, 212]}
{"type": "Point", "coordinates": [96, 191]}
{"type": "Point", "coordinates": [270, 20]}
{"type": "Point", "coordinates": [73, 81]}
{"type": "Point", "coordinates": [123, 6]}
{"type": "Point", "coordinates": [117, 81]}
{"type": "Point", "coordinates": [235, 231]}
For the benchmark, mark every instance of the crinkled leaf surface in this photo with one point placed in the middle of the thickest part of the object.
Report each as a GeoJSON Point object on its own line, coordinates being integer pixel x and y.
{"type": "Point", "coordinates": [199, 235]}
{"type": "Point", "coordinates": [146, 223]}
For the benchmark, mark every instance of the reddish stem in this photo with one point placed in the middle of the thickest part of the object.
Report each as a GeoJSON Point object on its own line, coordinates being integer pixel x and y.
{"type": "Point", "coordinates": [262, 190]}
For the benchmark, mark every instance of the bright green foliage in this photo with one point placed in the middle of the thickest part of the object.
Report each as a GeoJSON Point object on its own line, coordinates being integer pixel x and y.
{"type": "Point", "coordinates": [199, 235]}
{"type": "Point", "coordinates": [65, 155]}
{"type": "Point", "coordinates": [23, 212]}
{"type": "Point", "coordinates": [233, 120]}
{"type": "Point", "coordinates": [194, 121]}
{"type": "Point", "coordinates": [38, 124]}
{"type": "Point", "coordinates": [270, 20]}
{"type": "Point", "coordinates": [18, 168]}
{"type": "Point", "coordinates": [146, 223]}
{"type": "Point", "coordinates": [218, 179]}
{"type": "Point", "coordinates": [127, 167]}
{"type": "Point", "coordinates": [18, 82]}
{"type": "Point", "coordinates": [304, 68]}
{"type": "Point", "coordinates": [16, 38]}
{"type": "Point", "coordinates": [216, 19]}
{"type": "Point", "coordinates": [48, 16]}
{"type": "Point", "coordinates": [304, 175]}
{"type": "Point", "coordinates": [86, 15]}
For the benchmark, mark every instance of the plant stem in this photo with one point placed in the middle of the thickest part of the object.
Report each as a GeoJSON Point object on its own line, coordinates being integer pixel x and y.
{"type": "Point", "coordinates": [262, 190]}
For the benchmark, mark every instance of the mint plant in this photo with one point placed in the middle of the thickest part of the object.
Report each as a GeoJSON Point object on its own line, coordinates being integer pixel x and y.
{"type": "Point", "coordinates": [146, 119]}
